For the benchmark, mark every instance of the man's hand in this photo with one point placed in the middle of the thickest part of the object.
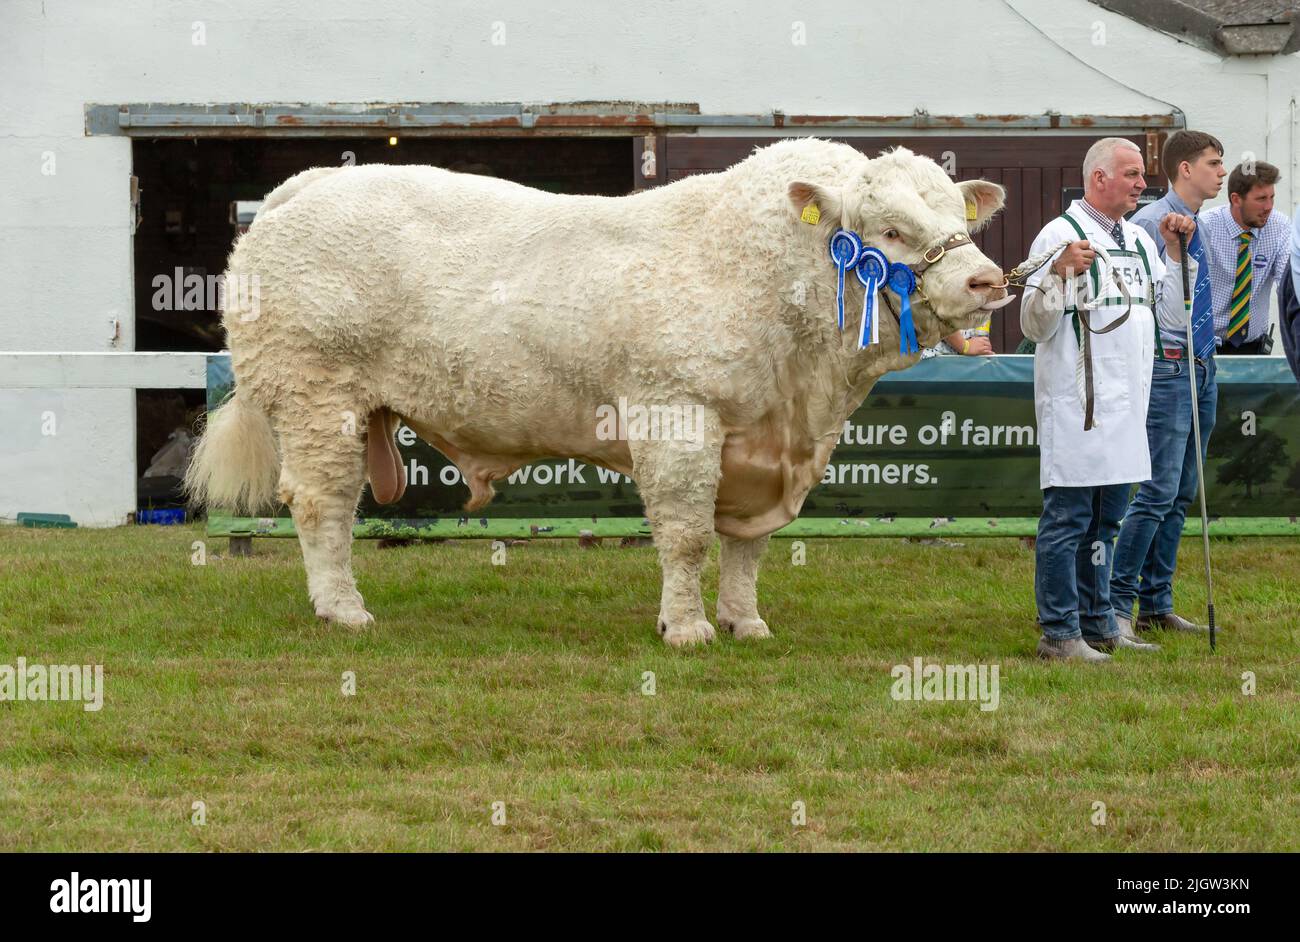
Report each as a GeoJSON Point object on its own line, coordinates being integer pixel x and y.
{"type": "Point", "coordinates": [1170, 226]}
{"type": "Point", "coordinates": [1075, 260]}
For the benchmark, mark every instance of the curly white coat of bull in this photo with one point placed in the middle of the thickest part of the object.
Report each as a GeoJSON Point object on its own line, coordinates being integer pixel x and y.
{"type": "Point", "coordinates": [497, 320]}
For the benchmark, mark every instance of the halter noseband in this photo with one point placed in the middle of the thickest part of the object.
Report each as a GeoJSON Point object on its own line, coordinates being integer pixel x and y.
{"type": "Point", "coordinates": [935, 252]}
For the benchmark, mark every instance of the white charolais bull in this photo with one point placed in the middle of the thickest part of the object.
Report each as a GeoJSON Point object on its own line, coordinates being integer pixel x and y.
{"type": "Point", "coordinates": [503, 323]}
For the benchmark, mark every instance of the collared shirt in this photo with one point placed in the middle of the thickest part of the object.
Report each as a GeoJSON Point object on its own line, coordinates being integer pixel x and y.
{"type": "Point", "coordinates": [1148, 217]}
{"type": "Point", "coordinates": [1101, 218]}
{"type": "Point", "coordinates": [1270, 258]}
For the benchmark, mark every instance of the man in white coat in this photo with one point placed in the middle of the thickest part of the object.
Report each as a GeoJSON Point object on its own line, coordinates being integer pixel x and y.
{"type": "Point", "coordinates": [1092, 377]}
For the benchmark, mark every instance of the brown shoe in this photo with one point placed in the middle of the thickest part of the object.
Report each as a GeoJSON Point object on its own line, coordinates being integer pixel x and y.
{"type": "Point", "coordinates": [1073, 649]}
{"type": "Point", "coordinates": [1122, 641]}
{"type": "Point", "coordinates": [1170, 622]}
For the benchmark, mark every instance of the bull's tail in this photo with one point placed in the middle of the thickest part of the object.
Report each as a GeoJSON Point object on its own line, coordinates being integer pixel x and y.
{"type": "Point", "coordinates": [235, 465]}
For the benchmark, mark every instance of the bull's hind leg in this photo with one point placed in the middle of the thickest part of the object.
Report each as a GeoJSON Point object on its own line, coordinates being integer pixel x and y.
{"type": "Point", "coordinates": [678, 481]}
{"type": "Point", "coordinates": [738, 587]}
{"type": "Point", "coordinates": [321, 472]}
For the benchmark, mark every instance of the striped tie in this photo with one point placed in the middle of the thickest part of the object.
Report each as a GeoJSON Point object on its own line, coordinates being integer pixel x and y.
{"type": "Point", "coordinates": [1200, 304]}
{"type": "Point", "coordinates": [1239, 309]}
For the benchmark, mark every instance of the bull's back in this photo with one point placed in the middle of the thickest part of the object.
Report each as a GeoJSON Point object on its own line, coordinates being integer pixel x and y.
{"type": "Point", "coordinates": [409, 263]}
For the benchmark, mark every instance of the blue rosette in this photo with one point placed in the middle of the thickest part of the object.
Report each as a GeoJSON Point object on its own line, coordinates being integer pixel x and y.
{"type": "Point", "coordinates": [902, 281]}
{"type": "Point", "coordinates": [872, 271]}
{"type": "Point", "coordinates": [846, 249]}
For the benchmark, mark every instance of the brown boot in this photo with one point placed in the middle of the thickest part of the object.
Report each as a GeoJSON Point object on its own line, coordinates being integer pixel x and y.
{"type": "Point", "coordinates": [1073, 649]}
{"type": "Point", "coordinates": [1171, 622]}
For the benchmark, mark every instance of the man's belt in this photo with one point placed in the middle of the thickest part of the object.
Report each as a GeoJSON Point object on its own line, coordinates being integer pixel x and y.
{"type": "Point", "coordinates": [1176, 353]}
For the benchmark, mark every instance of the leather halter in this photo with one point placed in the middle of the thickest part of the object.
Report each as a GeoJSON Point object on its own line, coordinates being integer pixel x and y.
{"type": "Point", "coordinates": [935, 252]}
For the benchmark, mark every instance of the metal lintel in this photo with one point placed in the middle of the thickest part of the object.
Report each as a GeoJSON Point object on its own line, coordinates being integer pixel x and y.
{"type": "Point", "coordinates": [153, 120]}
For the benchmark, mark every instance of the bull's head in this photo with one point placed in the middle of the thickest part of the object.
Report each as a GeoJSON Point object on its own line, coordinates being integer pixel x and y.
{"type": "Point", "coordinates": [909, 208]}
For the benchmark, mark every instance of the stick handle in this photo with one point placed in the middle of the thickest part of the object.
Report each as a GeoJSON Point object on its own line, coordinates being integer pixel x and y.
{"type": "Point", "coordinates": [1187, 281]}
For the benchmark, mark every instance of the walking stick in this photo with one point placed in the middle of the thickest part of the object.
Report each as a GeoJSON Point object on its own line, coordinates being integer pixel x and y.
{"type": "Point", "coordinates": [1196, 431]}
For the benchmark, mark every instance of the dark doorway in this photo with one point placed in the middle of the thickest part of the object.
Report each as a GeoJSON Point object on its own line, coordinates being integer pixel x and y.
{"type": "Point", "coordinates": [188, 185]}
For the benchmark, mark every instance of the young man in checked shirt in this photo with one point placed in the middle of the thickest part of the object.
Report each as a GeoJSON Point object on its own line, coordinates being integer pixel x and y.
{"type": "Point", "coordinates": [1146, 549]}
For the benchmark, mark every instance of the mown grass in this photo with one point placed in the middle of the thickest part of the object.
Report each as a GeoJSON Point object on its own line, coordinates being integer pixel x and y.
{"type": "Point", "coordinates": [522, 684]}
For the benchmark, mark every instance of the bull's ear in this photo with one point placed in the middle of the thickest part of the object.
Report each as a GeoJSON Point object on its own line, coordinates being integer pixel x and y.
{"type": "Point", "coordinates": [983, 200]}
{"type": "Point", "coordinates": [814, 204]}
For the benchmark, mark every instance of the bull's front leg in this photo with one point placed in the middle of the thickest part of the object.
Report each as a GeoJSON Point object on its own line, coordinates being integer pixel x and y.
{"type": "Point", "coordinates": [678, 481]}
{"type": "Point", "coordinates": [738, 587]}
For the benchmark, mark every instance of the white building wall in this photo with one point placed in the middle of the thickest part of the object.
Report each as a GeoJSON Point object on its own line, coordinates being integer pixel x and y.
{"type": "Point", "coordinates": [65, 238]}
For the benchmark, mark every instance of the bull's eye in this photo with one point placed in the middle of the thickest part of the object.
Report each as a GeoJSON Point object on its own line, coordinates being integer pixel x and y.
{"type": "Point", "coordinates": [892, 234]}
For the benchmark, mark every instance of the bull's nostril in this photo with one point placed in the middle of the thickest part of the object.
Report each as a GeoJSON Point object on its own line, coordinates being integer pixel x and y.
{"type": "Point", "coordinates": [986, 280]}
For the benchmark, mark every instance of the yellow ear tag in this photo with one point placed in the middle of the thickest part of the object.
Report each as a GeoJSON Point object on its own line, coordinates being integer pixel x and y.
{"type": "Point", "coordinates": [811, 214]}
{"type": "Point", "coordinates": [971, 210]}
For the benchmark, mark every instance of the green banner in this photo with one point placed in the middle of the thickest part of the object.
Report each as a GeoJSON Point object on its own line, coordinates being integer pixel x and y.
{"type": "Point", "coordinates": [950, 437]}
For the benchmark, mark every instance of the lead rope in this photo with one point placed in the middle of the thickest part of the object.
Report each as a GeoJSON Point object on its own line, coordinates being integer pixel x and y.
{"type": "Point", "coordinates": [1083, 365]}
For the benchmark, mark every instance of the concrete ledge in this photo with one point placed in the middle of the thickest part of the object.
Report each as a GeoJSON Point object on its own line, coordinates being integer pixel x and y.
{"type": "Point", "coordinates": [115, 370]}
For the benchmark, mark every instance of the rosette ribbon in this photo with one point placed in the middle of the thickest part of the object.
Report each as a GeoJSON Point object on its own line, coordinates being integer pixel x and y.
{"type": "Point", "coordinates": [902, 281]}
{"type": "Point", "coordinates": [872, 270]}
{"type": "Point", "coordinates": [846, 249]}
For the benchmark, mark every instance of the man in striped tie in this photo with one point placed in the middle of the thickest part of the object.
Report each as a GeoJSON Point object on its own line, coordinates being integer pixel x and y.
{"type": "Point", "coordinates": [1250, 244]}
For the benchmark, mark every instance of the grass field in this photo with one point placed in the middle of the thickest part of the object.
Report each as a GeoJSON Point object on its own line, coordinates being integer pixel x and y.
{"type": "Point", "coordinates": [522, 684]}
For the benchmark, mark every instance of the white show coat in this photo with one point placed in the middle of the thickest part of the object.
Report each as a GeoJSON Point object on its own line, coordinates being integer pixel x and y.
{"type": "Point", "coordinates": [1115, 450]}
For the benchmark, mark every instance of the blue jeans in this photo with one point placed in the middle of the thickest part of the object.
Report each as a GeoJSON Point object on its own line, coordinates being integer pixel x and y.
{"type": "Point", "coordinates": [1072, 560]}
{"type": "Point", "coordinates": [1147, 550]}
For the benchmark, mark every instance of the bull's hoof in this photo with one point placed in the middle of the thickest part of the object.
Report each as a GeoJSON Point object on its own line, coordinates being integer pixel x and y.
{"type": "Point", "coordinates": [746, 627]}
{"type": "Point", "coordinates": [352, 615]}
{"type": "Point", "coordinates": [684, 635]}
